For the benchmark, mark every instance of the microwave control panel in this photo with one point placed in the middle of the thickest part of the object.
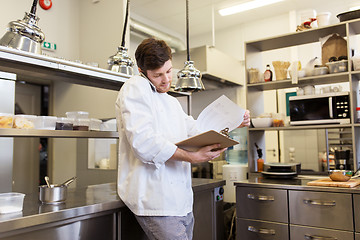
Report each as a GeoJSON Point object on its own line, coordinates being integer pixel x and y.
{"type": "Point", "coordinates": [341, 107]}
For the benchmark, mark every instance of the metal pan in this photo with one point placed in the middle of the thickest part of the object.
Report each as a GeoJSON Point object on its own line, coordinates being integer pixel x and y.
{"type": "Point", "coordinates": [55, 194]}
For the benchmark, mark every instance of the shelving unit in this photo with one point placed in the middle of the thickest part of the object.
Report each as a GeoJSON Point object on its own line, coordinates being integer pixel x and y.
{"type": "Point", "coordinates": [43, 69]}
{"type": "Point", "coordinates": [255, 91]}
{"type": "Point", "coordinates": [46, 70]}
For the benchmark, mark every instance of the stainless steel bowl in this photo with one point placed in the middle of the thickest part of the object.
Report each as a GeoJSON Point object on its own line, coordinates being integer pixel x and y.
{"type": "Point", "coordinates": [55, 194]}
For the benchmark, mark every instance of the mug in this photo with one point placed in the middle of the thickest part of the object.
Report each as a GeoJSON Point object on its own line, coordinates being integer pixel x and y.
{"type": "Point", "coordinates": [300, 91]}
{"type": "Point", "coordinates": [323, 19]}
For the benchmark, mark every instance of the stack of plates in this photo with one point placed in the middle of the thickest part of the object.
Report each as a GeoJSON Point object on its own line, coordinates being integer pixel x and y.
{"type": "Point", "coordinates": [281, 170]}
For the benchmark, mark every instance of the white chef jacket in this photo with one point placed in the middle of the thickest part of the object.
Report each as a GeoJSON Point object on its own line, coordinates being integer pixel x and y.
{"type": "Point", "coordinates": [149, 123]}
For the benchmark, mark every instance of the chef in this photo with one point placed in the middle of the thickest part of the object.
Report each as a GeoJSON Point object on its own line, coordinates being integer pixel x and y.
{"type": "Point", "coordinates": [154, 175]}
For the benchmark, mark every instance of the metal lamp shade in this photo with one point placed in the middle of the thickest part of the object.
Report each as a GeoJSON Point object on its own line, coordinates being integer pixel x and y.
{"type": "Point", "coordinates": [121, 62]}
{"type": "Point", "coordinates": [24, 35]}
{"type": "Point", "coordinates": [189, 79]}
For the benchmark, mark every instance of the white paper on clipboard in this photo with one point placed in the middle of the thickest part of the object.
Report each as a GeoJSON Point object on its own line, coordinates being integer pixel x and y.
{"type": "Point", "coordinates": [220, 114]}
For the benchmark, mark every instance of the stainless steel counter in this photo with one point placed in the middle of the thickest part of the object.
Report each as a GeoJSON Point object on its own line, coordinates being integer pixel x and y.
{"type": "Point", "coordinates": [297, 183]}
{"type": "Point", "coordinates": [80, 202]}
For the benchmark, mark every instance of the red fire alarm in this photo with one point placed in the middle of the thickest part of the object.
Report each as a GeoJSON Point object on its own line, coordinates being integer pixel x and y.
{"type": "Point", "coordinates": [45, 4]}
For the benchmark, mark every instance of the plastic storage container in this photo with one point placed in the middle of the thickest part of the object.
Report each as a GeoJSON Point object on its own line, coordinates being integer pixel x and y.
{"type": "Point", "coordinates": [6, 120]}
{"type": "Point", "coordinates": [63, 123]}
{"type": "Point", "coordinates": [78, 114]}
{"type": "Point", "coordinates": [109, 125]}
{"type": "Point", "coordinates": [81, 124]}
{"type": "Point", "coordinates": [11, 202]}
{"type": "Point", "coordinates": [24, 121]}
{"type": "Point", "coordinates": [320, 71]}
{"type": "Point", "coordinates": [95, 124]}
{"type": "Point", "coordinates": [45, 122]}
{"type": "Point", "coordinates": [339, 66]}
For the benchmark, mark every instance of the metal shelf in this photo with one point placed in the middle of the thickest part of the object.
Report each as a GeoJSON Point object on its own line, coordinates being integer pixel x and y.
{"type": "Point", "coordinates": [44, 69]}
{"type": "Point", "coordinates": [298, 38]}
{"type": "Point", "coordinates": [340, 145]}
{"type": "Point", "coordinates": [56, 133]}
{"type": "Point", "coordinates": [305, 127]}
{"type": "Point", "coordinates": [312, 80]}
{"type": "Point", "coordinates": [340, 138]}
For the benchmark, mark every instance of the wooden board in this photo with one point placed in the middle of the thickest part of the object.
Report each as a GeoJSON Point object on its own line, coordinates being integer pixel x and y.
{"type": "Point", "coordinates": [327, 182]}
{"type": "Point", "coordinates": [205, 139]}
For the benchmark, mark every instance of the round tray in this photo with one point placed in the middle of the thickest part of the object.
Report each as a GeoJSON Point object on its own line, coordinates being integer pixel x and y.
{"type": "Point", "coordinates": [346, 16]}
{"type": "Point", "coordinates": [279, 174]}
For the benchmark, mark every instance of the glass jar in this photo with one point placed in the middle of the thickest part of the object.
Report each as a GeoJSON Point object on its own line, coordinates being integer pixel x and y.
{"type": "Point", "coordinates": [238, 154]}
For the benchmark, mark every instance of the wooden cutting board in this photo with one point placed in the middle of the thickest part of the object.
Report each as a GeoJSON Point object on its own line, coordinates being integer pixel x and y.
{"type": "Point", "coordinates": [327, 182]}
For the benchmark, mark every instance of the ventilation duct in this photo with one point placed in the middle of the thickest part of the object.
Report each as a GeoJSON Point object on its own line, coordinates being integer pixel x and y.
{"type": "Point", "coordinates": [145, 31]}
{"type": "Point", "coordinates": [217, 68]}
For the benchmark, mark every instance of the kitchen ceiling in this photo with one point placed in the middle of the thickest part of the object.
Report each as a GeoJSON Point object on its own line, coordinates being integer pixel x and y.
{"type": "Point", "coordinates": [170, 14]}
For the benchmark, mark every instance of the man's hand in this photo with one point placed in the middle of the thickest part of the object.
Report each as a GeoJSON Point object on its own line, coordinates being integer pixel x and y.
{"type": "Point", "coordinates": [204, 154]}
{"type": "Point", "coordinates": [246, 121]}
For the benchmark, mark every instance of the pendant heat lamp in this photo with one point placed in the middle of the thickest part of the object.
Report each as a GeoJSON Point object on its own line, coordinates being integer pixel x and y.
{"type": "Point", "coordinates": [24, 34]}
{"type": "Point", "coordinates": [189, 78]}
{"type": "Point", "coordinates": [121, 62]}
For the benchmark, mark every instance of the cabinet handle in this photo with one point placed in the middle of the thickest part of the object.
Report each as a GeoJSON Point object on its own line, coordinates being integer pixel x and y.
{"type": "Point", "coordinates": [261, 230]}
{"type": "Point", "coordinates": [315, 237]}
{"type": "Point", "coordinates": [331, 113]}
{"type": "Point", "coordinates": [319, 202]}
{"type": "Point", "coordinates": [260, 197]}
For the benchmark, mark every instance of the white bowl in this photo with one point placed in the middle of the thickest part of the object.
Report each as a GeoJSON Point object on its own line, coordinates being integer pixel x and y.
{"type": "Point", "coordinates": [262, 122]}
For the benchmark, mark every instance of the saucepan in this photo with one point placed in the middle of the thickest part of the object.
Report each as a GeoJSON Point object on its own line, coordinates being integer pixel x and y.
{"type": "Point", "coordinates": [54, 193]}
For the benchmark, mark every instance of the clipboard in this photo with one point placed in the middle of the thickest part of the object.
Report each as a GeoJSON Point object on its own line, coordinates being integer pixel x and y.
{"type": "Point", "coordinates": [207, 138]}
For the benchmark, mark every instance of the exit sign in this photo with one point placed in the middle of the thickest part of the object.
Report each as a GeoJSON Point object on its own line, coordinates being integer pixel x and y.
{"type": "Point", "coordinates": [49, 46]}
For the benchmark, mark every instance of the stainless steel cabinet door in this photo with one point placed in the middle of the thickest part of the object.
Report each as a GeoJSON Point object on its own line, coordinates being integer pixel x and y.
{"type": "Point", "coordinates": [262, 204]}
{"type": "Point", "coordinates": [357, 236]}
{"type": "Point", "coordinates": [260, 230]}
{"type": "Point", "coordinates": [301, 233]}
{"type": "Point", "coordinates": [90, 227]}
{"type": "Point", "coordinates": [321, 209]}
{"type": "Point", "coordinates": [356, 198]}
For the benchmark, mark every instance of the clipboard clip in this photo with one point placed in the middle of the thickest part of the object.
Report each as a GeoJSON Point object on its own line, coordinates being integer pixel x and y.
{"type": "Point", "coordinates": [225, 132]}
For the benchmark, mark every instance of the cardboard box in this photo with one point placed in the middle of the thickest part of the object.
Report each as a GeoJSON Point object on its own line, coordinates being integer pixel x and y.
{"type": "Point", "coordinates": [335, 46]}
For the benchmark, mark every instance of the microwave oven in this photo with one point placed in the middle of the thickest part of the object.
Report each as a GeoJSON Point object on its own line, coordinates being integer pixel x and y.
{"type": "Point", "coordinates": [326, 108]}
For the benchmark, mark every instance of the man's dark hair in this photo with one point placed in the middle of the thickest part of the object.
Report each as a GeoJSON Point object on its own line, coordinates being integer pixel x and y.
{"type": "Point", "coordinates": [152, 54]}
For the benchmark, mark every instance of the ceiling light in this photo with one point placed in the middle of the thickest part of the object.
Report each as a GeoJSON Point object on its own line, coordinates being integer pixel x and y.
{"type": "Point", "coordinates": [189, 78]}
{"type": "Point", "coordinates": [121, 62]}
{"type": "Point", "coordinates": [246, 6]}
{"type": "Point", "coordinates": [24, 34]}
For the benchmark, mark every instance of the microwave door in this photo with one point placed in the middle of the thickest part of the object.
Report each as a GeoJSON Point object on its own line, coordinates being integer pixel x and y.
{"type": "Point", "coordinates": [309, 109]}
